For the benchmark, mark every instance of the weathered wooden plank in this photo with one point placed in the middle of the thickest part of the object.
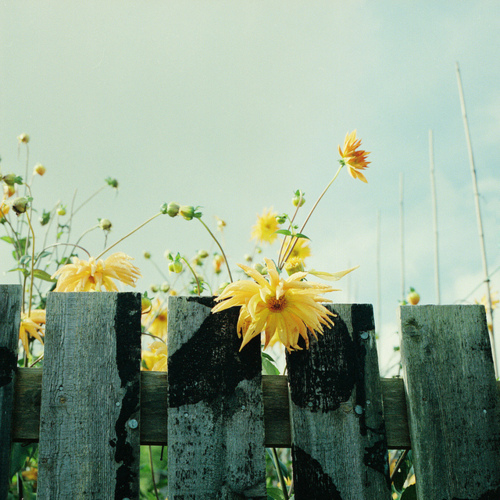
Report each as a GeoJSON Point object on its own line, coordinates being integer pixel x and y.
{"type": "Point", "coordinates": [452, 401]}
{"type": "Point", "coordinates": [28, 388]}
{"type": "Point", "coordinates": [339, 445]}
{"type": "Point", "coordinates": [90, 408]}
{"type": "Point", "coordinates": [215, 417]}
{"type": "Point", "coordinates": [10, 317]}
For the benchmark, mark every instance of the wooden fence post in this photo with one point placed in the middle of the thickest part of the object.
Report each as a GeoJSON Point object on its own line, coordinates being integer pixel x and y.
{"type": "Point", "coordinates": [339, 445]}
{"type": "Point", "coordinates": [89, 419]}
{"type": "Point", "coordinates": [453, 408]}
{"type": "Point", "coordinates": [10, 317]}
{"type": "Point", "coordinates": [215, 416]}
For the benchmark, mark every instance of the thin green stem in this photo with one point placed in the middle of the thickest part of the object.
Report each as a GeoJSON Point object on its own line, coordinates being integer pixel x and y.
{"type": "Point", "coordinates": [32, 263]}
{"type": "Point", "coordinates": [194, 274]}
{"type": "Point", "coordinates": [153, 472]}
{"type": "Point", "coordinates": [127, 235]}
{"type": "Point", "coordinates": [88, 199]}
{"type": "Point", "coordinates": [220, 248]}
{"type": "Point", "coordinates": [289, 227]}
{"type": "Point", "coordinates": [280, 473]}
{"type": "Point", "coordinates": [310, 213]}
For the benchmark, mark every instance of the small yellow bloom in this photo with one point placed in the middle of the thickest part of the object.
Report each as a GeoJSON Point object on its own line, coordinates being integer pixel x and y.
{"type": "Point", "coordinates": [32, 325]}
{"type": "Point", "coordinates": [9, 191]}
{"type": "Point", "coordinates": [39, 169]}
{"type": "Point", "coordinates": [30, 474]}
{"type": "Point", "coordinates": [301, 250]}
{"type": "Point", "coordinates": [266, 227]}
{"type": "Point", "coordinates": [217, 263]}
{"type": "Point", "coordinates": [286, 308]}
{"type": "Point", "coordinates": [294, 265]}
{"type": "Point", "coordinates": [155, 321]}
{"type": "Point", "coordinates": [355, 159]}
{"type": "Point", "coordinates": [155, 357]}
{"type": "Point", "coordinates": [92, 275]}
{"type": "Point", "coordinates": [4, 209]}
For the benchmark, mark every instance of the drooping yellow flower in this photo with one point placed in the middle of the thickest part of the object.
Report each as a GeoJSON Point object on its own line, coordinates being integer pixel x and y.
{"type": "Point", "coordinates": [354, 158]}
{"type": "Point", "coordinates": [155, 357]}
{"type": "Point", "coordinates": [32, 325]}
{"type": "Point", "coordinates": [155, 321]}
{"type": "Point", "coordinates": [287, 308]}
{"type": "Point", "coordinates": [92, 275]}
{"type": "Point", "coordinates": [266, 227]}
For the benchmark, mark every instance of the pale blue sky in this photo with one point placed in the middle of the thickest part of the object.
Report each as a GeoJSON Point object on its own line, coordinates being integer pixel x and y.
{"type": "Point", "coordinates": [234, 105]}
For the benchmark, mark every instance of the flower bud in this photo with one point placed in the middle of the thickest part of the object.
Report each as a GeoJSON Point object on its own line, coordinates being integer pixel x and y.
{"type": "Point", "coordinates": [61, 210]}
{"type": "Point", "coordinates": [298, 199]}
{"type": "Point", "coordinates": [145, 304]}
{"type": "Point", "coordinates": [187, 211]}
{"type": "Point", "coordinates": [248, 257]}
{"type": "Point", "coordinates": [12, 179]}
{"type": "Point", "coordinates": [112, 182]}
{"type": "Point", "coordinates": [172, 209]}
{"type": "Point", "coordinates": [105, 224]}
{"type": "Point", "coordinates": [294, 265]}
{"type": "Point", "coordinates": [23, 138]}
{"type": "Point", "coordinates": [260, 268]}
{"type": "Point", "coordinates": [39, 169]}
{"type": "Point", "coordinates": [147, 255]}
{"type": "Point", "coordinates": [202, 254]}
{"type": "Point", "coordinates": [217, 263]}
{"type": "Point", "coordinates": [9, 190]}
{"type": "Point", "coordinates": [19, 205]}
{"type": "Point", "coordinates": [165, 287]}
{"type": "Point", "coordinates": [154, 288]}
{"type": "Point", "coordinates": [280, 219]}
{"type": "Point", "coordinates": [175, 267]}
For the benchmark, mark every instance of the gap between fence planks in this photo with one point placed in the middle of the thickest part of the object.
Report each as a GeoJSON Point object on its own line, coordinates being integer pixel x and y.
{"type": "Point", "coordinates": [28, 383]}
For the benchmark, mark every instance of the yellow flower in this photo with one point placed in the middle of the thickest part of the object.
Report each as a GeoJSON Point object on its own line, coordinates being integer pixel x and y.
{"type": "Point", "coordinates": [39, 169]}
{"type": "Point", "coordinates": [217, 263]}
{"type": "Point", "coordinates": [32, 325]}
{"type": "Point", "coordinates": [355, 159]}
{"type": "Point", "coordinates": [155, 357]}
{"type": "Point", "coordinates": [287, 308]}
{"type": "Point", "coordinates": [266, 227]}
{"type": "Point", "coordinates": [30, 474]}
{"type": "Point", "coordinates": [155, 321]}
{"type": "Point", "coordinates": [92, 275]}
{"type": "Point", "coordinates": [301, 250]}
{"type": "Point", "coordinates": [294, 265]}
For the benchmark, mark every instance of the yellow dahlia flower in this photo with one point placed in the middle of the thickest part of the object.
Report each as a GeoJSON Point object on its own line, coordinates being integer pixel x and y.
{"type": "Point", "coordinates": [301, 249]}
{"type": "Point", "coordinates": [356, 160]}
{"type": "Point", "coordinates": [155, 321]}
{"type": "Point", "coordinates": [32, 325]}
{"type": "Point", "coordinates": [266, 227]}
{"type": "Point", "coordinates": [287, 308]}
{"type": "Point", "coordinates": [92, 275]}
{"type": "Point", "coordinates": [155, 358]}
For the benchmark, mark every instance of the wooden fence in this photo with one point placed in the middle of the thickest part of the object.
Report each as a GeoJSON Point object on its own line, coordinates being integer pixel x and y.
{"type": "Point", "coordinates": [217, 412]}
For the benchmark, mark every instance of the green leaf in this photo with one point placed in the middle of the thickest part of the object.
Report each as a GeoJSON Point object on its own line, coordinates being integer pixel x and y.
{"type": "Point", "coordinates": [409, 493]}
{"type": "Point", "coordinates": [42, 275]}
{"type": "Point", "coordinates": [286, 232]}
{"type": "Point", "coordinates": [21, 270]}
{"type": "Point", "coordinates": [269, 367]}
{"type": "Point", "coordinates": [300, 235]}
{"type": "Point", "coordinates": [8, 239]}
{"type": "Point", "coordinates": [275, 494]}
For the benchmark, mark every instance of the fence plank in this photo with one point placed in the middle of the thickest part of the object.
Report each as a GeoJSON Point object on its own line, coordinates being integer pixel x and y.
{"type": "Point", "coordinates": [90, 409]}
{"type": "Point", "coordinates": [215, 416]}
{"type": "Point", "coordinates": [10, 317]}
{"type": "Point", "coordinates": [338, 434]}
{"type": "Point", "coordinates": [453, 409]}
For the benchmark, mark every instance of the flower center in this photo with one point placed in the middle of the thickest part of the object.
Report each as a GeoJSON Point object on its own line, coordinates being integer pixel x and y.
{"type": "Point", "coordinates": [276, 305]}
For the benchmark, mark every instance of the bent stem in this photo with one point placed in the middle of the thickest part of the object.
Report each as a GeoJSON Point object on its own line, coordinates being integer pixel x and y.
{"type": "Point", "coordinates": [194, 274]}
{"type": "Point", "coordinates": [220, 248]}
{"type": "Point", "coordinates": [310, 213]}
{"type": "Point", "coordinates": [127, 235]}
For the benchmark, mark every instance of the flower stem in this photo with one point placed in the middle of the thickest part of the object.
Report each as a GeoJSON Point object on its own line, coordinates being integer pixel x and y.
{"type": "Point", "coordinates": [220, 248]}
{"type": "Point", "coordinates": [127, 235]}
{"type": "Point", "coordinates": [289, 227]}
{"type": "Point", "coordinates": [32, 263]}
{"type": "Point", "coordinates": [194, 274]}
{"type": "Point", "coordinates": [280, 473]}
{"type": "Point", "coordinates": [153, 472]}
{"type": "Point", "coordinates": [310, 213]}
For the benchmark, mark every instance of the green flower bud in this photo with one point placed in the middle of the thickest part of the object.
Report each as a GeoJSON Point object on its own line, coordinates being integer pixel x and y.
{"type": "Point", "coordinates": [105, 224]}
{"type": "Point", "coordinates": [281, 219]}
{"type": "Point", "coordinates": [260, 268]}
{"type": "Point", "coordinates": [202, 254]}
{"type": "Point", "coordinates": [147, 255]}
{"type": "Point", "coordinates": [165, 287]}
{"type": "Point", "coordinates": [23, 138]}
{"type": "Point", "coordinates": [187, 211]}
{"type": "Point", "coordinates": [61, 210]}
{"type": "Point", "coordinates": [154, 288]}
{"type": "Point", "coordinates": [19, 205]}
{"type": "Point", "coordinates": [11, 179]}
{"type": "Point", "coordinates": [298, 199]}
{"type": "Point", "coordinates": [248, 257]}
{"type": "Point", "coordinates": [45, 218]}
{"type": "Point", "coordinates": [172, 209]}
{"type": "Point", "coordinates": [175, 267]}
{"type": "Point", "coordinates": [112, 182]}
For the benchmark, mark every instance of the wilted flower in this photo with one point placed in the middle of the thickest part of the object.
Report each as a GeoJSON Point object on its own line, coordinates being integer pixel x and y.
{"type": "Point", "coordinates": [32, 325]}
{"type": "Point", "coordinates": [92, 275]}
{"type": "Point", "coordinates": [287, 308]}
{"type": "Point", "coordinates": [266, 227]}
{"type": "Point", "coordinates": [19, 205]}
{"type": "Point", "coordinates": [356, 160]}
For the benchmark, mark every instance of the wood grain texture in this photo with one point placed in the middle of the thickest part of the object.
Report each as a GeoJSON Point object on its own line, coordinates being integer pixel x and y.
{"type": "Point", "coordinates": [10, 317]}
{"type": "Point", "coordinates": [216, 416]}
{"type": "Point", "coordinates": [90, 406]}
{"type": "Point", "coordinates": [452, 401]}
{"type": "Point", "coordinates": [339, 445]}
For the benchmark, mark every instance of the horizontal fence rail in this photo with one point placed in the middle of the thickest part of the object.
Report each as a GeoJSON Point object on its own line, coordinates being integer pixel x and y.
{"type": "Point", "coordinates": [90, 407]}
